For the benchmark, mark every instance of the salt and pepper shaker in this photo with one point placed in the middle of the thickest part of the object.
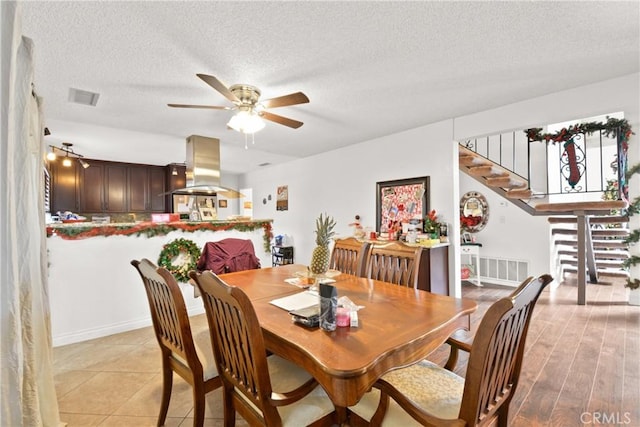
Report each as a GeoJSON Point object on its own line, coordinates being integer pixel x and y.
{"type": "Point", "coordinates": [328, 306]}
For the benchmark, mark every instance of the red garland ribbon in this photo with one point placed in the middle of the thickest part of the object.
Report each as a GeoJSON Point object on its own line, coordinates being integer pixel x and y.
{"type": "Point", "coordinates": [154, 229]}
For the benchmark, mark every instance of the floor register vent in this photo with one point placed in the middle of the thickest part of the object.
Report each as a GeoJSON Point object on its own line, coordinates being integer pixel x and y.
{"type": "Point", "coordinates": [503, 271]}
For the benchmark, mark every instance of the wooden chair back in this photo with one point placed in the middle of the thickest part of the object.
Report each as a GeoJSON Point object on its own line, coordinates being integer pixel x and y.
{"type": "Point", "coordinates": [173, 332]}
{"type": "Point", "coordinates": [239, 350]}
{"type": "Point", "coordinates": [394, 262]}
{"type": "Point", "coordinates": [496, 356]}
{"type": "Point", "coordinates": [349, 255]}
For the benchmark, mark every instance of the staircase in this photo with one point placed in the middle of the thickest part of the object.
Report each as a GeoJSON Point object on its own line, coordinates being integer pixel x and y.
{"type": "Point", "coordinates": [599, 252]}
{"type": "Point", "coordinates": [608, 234]}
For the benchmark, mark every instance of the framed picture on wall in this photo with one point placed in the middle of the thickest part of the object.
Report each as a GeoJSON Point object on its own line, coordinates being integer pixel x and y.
{"type": "Point", "coordinates": [399, 201]}
{"type": "Point", "coordinates": [208, 214]}
{"type": "Point", "coordinates": [282, 200]}
{"type": "Point", "coordinates": [222, 203]}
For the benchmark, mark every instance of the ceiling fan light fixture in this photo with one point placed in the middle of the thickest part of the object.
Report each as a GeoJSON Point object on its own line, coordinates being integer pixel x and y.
{"type": "Point", "coordinates": [246, 121]}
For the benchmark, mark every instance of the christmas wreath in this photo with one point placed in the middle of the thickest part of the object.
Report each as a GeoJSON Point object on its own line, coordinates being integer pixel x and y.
{"type": "Point", "coordinates": [186, 252]}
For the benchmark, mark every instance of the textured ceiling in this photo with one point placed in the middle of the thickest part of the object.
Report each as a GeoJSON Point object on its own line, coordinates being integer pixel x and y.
{"type": "Point", "coordinates": [369, 68]}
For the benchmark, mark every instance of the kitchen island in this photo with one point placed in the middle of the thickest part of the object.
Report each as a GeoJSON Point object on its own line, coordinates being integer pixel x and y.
{"type": "Point", "coordinates": [93, 289]}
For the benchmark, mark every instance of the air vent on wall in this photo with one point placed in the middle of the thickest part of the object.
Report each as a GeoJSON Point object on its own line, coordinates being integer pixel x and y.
{"type": "Point", "coordinates": [83, 97]}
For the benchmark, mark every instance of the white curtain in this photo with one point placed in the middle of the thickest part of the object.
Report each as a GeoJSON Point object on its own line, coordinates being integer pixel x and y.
{"type": "Point", "coordinates": [27, 391]}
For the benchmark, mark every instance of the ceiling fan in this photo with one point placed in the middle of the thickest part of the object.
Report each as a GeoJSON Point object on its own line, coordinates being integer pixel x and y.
{"type": "Point", "coordinates": [250, 110]}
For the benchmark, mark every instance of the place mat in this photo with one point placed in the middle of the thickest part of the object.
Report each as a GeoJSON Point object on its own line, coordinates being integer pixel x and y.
{"type": "Point", "coordinates": [297, 301]}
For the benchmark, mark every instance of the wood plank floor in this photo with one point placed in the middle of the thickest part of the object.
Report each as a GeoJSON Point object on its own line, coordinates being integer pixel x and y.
{"type": "Point", "coordinates": [582, 363]}
{"type": "Point", "coordinates": [581, 367]}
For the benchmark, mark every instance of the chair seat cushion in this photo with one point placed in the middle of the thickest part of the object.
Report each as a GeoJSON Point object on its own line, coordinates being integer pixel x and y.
{"type": "Point", "coordinates": [204, 351]}
{"type": "Point", "coordinates": [431, 387]}
{"type": "Point", "coordinates": [286, 376]}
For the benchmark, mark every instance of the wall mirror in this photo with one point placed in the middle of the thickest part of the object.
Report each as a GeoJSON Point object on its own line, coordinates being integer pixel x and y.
{"type": "Point", "coordinates": [474, 212]}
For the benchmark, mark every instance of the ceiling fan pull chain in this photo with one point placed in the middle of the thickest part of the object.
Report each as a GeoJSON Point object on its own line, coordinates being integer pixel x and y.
{"type": "Point", "coordinates": [245, 141]}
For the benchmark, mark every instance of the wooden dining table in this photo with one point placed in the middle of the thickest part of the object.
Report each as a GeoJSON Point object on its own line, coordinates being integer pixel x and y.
{"type": "Point", "coordinates": [398, 326]}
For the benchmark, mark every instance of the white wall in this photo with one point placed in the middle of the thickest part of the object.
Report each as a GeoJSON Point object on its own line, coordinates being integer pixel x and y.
{"type": "Point", "coordinates": [342, 182]}
{"type": "Point", "coordinates": [94, 290]}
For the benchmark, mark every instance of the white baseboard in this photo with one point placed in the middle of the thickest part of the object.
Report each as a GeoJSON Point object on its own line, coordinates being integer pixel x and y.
{"type": "Point", "coordinates": [116, 328]}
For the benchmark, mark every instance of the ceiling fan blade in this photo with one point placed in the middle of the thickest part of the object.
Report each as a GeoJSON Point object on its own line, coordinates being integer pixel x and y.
{"type": "Point", "coordinates": [283, 101]}
{"type": "Point", "coordinates": [219, 86]}
{"type": "Point", "coordinates": [281, 120]}
{"type": "Point", "coordinates": [210, 107]}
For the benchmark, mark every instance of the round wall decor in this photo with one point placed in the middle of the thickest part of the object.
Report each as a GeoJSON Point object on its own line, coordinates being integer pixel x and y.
{"type": "Point", "coordinates": [474, 212]}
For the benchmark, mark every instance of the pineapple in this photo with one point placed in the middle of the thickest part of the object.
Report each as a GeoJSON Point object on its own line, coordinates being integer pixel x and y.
{"type": "Point", "coordinates": [320, 256]}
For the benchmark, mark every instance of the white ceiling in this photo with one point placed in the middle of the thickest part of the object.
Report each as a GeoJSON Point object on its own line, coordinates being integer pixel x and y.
{"type": "Point", "coordinates": [369, 68]}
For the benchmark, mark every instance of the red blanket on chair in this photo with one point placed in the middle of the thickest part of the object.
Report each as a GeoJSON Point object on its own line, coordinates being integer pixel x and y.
{"type": "Point", "coordinates": [228, 255]}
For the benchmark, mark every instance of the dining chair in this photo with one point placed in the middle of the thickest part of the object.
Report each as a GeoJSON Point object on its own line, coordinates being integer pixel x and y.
{"type": "Point", "coordinates": [191, 359]}
{"type": "Point", "coordinates": [249, 377]}
{"type": "Point", "coordinates": [427, 394]}
{"type": "Point", "coordinates": [349, 256]}
{"type": "Point", "coordinates": [462, 339]}
{"type": "Point", "coordinates": [394, 262]}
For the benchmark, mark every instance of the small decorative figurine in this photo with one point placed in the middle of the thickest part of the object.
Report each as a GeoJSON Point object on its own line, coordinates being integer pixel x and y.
{"type": "Point", "coordinates": [358, 230]}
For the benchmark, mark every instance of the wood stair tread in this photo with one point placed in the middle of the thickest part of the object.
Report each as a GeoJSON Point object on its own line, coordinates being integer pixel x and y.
{"type": "Point", "coordinates": [487, 171]}
{"type": "Point", "coordinates": [471, 160]}
{"type": "Point", "coordinates": [614, 232]}
{"type": "Point", "coordinates": [605, 205]}
{"type": "Point", "coordinates": [601, 272]}
{"type": "Point", "coordinates": [603, 219]}
{"type": "Point", "coordinates": [519, 193]}
{"type": "Point", "coordinates": [598, 254]}
{"type": "Point", "coordinates": [600, 263]}
{"type": "Point", "coordinates": [596, 243]}
{"type": "Point", "coordinates": [505, 182]}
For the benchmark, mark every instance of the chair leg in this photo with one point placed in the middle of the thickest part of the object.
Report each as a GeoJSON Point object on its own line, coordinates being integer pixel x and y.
{"type": "Point", "coordinates": [453, 359]}
{"type": "Point", "coordinates": [167, 384]}
{"type": "Point", "coordinates": [199, 404]}
{"type": "Point", "coordinates": [229, 410]}
{"type": "Point", "coordinates": [503, 415]}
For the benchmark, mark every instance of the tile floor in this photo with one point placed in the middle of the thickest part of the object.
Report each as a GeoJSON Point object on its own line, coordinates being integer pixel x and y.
{"type": "Point", "coordinates": [579, 360]}
{"type": "Point", "coordinates": [116, 381]}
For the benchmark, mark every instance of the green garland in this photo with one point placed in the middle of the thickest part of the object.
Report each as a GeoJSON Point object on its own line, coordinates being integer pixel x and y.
{"type": "Point", "coordinates": [634, 236]}
{"type": "Point", "coordinates": [609, 128]}
{"type": "Point", "coordinates": [149, 229]}
{"type": "Point", "coordinates": [171, 250]}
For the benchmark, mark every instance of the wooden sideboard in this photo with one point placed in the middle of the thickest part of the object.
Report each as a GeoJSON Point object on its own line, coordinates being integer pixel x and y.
{"type": "Point", "coordinates": [433, 275]}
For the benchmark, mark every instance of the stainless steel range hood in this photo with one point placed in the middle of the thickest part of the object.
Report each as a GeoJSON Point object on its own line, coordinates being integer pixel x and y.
{"type": "Point", "coordinates": [203, 169]}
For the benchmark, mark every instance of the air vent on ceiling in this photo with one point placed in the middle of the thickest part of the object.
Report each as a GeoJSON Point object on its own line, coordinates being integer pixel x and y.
{"type": "Point", "coordinates": [83, 97]}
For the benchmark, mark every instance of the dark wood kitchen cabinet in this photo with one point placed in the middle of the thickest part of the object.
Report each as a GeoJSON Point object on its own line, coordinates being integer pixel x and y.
{"type": "Point", "coordinates": [146, 188]}
{"type": "Point", "coordinates": [108, 187]}
{"type": "Point", "coordinates": [103, 188]}
{"type": "Point", "coordinates": [64, 187]}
